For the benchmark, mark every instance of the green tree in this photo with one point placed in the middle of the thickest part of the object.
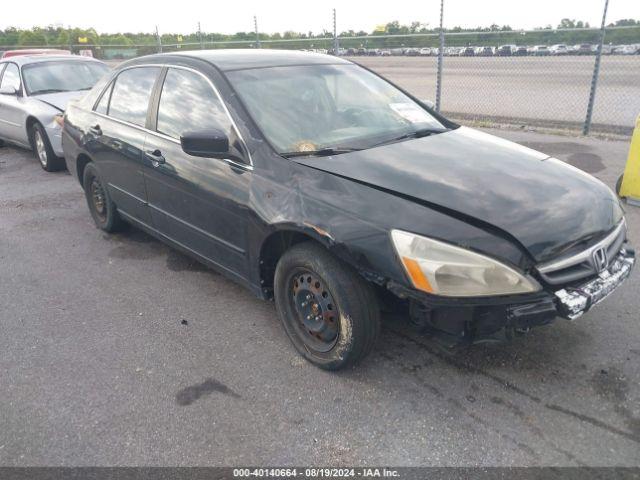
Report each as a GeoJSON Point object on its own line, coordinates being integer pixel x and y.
{"type": "Point", "coordinates": [34, 37]}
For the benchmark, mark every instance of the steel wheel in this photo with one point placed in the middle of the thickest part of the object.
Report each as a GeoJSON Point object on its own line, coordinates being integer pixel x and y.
{"type": "Point", "coordinates": [41, 148]}
{"type": "Point", "coordinates": [317, 314]}
{"type": "Point", "coordinates": [98, 198]}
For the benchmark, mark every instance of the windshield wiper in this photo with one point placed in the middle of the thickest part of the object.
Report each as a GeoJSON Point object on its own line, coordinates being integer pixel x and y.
{"type": "Point", "coordinates": [48, 90]}
{"type": "Point", "coordinates": [322, 152]}
{"type": "Point", "coordinates": [423, 132]}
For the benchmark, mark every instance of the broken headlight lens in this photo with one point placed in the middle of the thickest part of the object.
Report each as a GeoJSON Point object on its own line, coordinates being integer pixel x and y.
{"type": "Point", "coordinates": [443, 269]}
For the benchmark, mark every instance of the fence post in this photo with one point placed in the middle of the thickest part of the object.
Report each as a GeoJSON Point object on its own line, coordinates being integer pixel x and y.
{"type": "Point", "coordinates": [255, 26]}
{"type": "Point", "coordinates": [200, 37]}
{"type": "Point", "coordinates": [596, 73]}
{"type": "Point", "coordinates": [336, 47]}
{"type": "Point", "coordinates": [159, 40]}
{"type": "Point", "coordinates": [440, 60]}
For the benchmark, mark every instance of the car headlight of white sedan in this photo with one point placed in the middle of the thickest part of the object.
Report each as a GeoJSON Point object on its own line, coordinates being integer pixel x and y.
{"type": "Point", "coordinates": [443, 269]}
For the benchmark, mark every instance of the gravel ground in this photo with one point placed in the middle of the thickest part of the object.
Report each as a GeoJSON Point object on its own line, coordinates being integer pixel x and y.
{"type": "Point", "coordinates": [117, 350]}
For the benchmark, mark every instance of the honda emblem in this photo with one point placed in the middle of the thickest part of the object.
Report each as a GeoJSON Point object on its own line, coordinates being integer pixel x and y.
{"type": "Point", "coordinates": [600, 259]}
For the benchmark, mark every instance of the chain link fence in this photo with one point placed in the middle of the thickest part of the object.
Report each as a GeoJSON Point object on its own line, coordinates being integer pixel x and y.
{"type": "Point", "coordinates": [538, 79]}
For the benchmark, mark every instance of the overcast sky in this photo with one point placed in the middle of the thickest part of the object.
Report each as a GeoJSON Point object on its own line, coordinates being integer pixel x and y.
{"type": "Point", "coordinates": [303, 16]}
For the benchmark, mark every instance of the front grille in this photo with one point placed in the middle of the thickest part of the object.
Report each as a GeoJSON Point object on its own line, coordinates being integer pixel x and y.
{"type": "Point", "coordinates": [586, 263]}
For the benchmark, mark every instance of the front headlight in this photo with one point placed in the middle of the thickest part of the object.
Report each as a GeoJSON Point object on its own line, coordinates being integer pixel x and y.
{"type": "Point", "coordinates": [442, 269]}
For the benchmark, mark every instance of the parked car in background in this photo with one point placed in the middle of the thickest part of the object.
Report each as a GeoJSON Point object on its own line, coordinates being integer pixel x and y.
{"type": "Point", "coordinates": [467, 52]}
{"type": "Point", "coordinates": [485, 52]}
{"type": "Point", "coordinates": [425, 52]}
{"type": "Point", "coordinates": [606, 49]}
{"type": "Point", "coordinates": [583, 49]}
{"type": "Point", "coordinates": [618, 49]}
{"type": "Point", "coordinates": [505, 50]}
{"type": "Point", "coordinates": [34, 51]}
{"type": "Point", "coordinates": [629, 50]}
{"type": "Point", "coordinates": [559, 49]}
{"type": "Point", "coordinates": [539, 51]}
{"type": "Point", "coordinates": [385, 52]}
{"type": "Point", "coordinates": [34, 92]}
{"type": "Point", "coordinates": [412, 52]}
{"type": "Point", "coordinates": [206, 150]}
{"type": "Point", "coordinates": [521, 51]}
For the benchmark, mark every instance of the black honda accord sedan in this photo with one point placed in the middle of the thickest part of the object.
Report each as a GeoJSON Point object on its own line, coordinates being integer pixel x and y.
{"type": "Point", "coordinates": [318, 184]}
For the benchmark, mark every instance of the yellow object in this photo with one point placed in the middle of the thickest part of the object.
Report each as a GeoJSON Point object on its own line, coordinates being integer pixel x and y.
{"type": "Point", "coordinates": [631, 179]}
{"type": "Point", "coordinates": [83, 40]}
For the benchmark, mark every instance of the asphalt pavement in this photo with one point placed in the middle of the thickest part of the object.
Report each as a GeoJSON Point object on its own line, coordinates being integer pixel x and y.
{"type": "Point", "coordinates": [117, 350]}
{"type": "Point", "coordinates": [540, 90]}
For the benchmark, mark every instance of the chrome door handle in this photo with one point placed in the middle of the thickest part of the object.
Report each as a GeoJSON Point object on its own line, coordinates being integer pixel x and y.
{"type": "Point", "coordinates": [96, 130]}
{"type": "Point", "coordinates": [155, 156]}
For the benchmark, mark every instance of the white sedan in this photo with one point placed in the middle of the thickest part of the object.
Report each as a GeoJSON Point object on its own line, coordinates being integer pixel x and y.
{"type": "Point", "coordinates": [34, 92]}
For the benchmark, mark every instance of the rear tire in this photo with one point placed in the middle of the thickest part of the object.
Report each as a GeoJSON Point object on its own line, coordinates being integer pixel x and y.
{"type": "Point", "coordinates": [329, 312]}
{"type": "Point", "coordinates": [102, 208]}
{"type": "Point", "coordinates": [42, 149]}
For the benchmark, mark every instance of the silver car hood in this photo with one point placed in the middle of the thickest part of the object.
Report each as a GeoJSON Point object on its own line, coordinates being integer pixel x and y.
{"type": "Point", "coordinates": [59, 100]}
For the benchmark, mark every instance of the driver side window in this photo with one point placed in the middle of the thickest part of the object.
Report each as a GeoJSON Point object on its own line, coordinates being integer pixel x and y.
{"type": "Point", "coordinates": [188, 102]}
{"type": "Point", "coordinates": [11, 77]}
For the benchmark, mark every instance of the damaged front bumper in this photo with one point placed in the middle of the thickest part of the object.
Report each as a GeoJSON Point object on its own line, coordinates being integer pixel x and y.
{"type": "Point", "coordinates": [573, 302]}
{"type": "Point", "coordinates": [466, 320]}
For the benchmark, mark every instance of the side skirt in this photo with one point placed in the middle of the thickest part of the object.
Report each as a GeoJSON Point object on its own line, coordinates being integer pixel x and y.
{"type": "Point", "coordinates": [227, 273]}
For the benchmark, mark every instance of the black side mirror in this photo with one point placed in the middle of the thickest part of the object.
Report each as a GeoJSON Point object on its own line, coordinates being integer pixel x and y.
{"type": "Point", "coordinates": [210, 143]}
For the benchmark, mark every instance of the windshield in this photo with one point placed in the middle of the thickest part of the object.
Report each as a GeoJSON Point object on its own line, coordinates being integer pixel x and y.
{"type": "Point", "coordinates": [340, 107]}
{"type": "Point", "coordinates": [49, 77]}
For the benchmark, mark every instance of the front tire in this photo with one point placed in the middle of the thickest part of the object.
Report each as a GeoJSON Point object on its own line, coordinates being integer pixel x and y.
{"type": "Point", "coordinates": [43, 151]}
{"type": "Point", "coordinates": [329, 312]}
{"type": "Point", "coordinates": [102, 208]}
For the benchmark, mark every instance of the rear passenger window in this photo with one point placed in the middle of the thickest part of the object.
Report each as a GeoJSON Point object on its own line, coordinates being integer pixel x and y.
{"type": "Point", "coordinates": [131, 94]}
{"type": "Point", "coordinates": [187, 103]}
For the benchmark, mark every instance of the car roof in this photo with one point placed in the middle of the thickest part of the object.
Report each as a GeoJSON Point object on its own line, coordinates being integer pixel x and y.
{"type": "Point", "coordinates": [241, 59]}
{"type": "Point", "coordinates": [38, 58]}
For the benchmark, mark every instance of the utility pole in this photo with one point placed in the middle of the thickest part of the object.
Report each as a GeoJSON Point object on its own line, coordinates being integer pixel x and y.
{"type": "Point", "coordinates": [336, 46]}
{"type": "Point", "coordinates": [158, 40]}
{"type": "Point", "coordinates": [440, 59]}
{"type": "Point", "coordinates": [200, 37]}
{"type": "Point", "coordinates": [255, 26]}
{"type": "Point", "coordinates": [596, 73]}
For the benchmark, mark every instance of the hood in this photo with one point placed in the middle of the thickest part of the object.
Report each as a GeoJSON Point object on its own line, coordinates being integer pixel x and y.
{"type": "Point", "coordinates": [59, 100]}
{"type": "Point", "coordinates": [547, 206]}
